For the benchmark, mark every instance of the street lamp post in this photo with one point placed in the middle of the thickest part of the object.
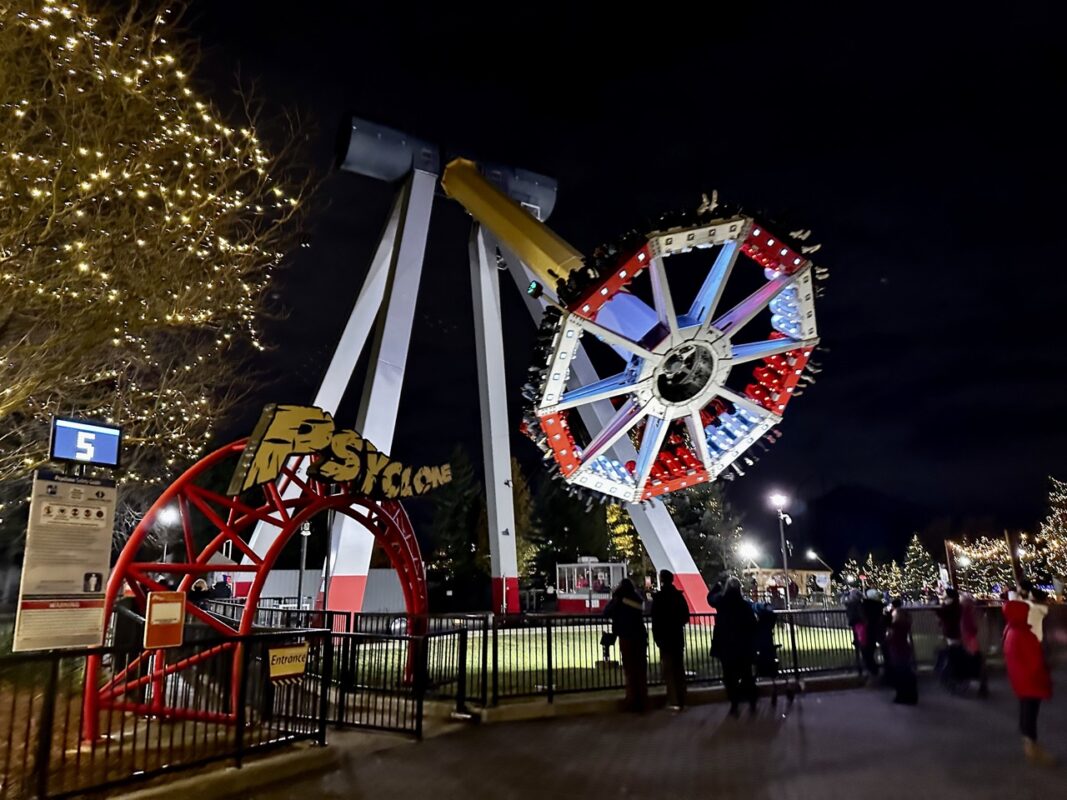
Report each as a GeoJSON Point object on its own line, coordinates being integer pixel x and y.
{"type": "Point", "coordinates": [812, 555]}
{"type": "Point", "coordinates": [779, 502]}
{"type": "Point", "coordinates": [305, 532]}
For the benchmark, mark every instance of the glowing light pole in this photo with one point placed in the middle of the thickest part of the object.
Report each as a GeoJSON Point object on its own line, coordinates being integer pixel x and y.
{"type": "Point", "coordinates": [305, 532]}
{"type": "Point", "coordinates": [779, 502]}
{"type": "Point", "coordinates": [169, 516]}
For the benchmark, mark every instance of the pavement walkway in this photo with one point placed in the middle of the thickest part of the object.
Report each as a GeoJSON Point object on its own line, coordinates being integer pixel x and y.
{"type": "Point", "coordinates": [844, 744]}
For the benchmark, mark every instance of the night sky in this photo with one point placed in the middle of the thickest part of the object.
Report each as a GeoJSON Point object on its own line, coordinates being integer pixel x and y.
{"type": "Point", "coordinates": [921, 147]}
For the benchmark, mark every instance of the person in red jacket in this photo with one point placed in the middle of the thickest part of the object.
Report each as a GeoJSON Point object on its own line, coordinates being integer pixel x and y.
{"type": "Point", "coordinates": [1028, 674]}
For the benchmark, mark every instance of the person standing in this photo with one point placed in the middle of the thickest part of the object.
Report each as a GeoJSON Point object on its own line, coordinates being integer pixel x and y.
{"type": "Point", "coordinates": [900, 655]}
{"type": "Point", "coordinates": [625, 610]}
{"type": "Point", "coordinates": [873, 611]}
{"type": "Point", "coordinates": [1037, 600]}
{"type": "Point", "coordinates": [970, 643]}
{"type": "Point", "coordinates": [670, 615]}
{"type": "Point", "coordinates": [735, 644]}
{"type": "Point", "coordinates": [1028, 674]}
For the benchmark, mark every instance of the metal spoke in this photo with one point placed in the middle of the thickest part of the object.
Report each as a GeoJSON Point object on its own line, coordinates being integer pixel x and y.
{"type": "Point", "coordinates": [611, 337]}
{"type": "Point", "coordinates": [661, 297]}
{"type": "Point", "coordinates": [744, 402]}
{"type": "Point", "coordinates": [624, 419]}
{"type": "Point", "coordinates": [651, 442]}
{"type": "Point", "coordinates": [699, 438]}
{"type": "Point", "coordinates": [753, 351]}
{"type": "Point", "coordinates": [600, 390]}
{"type": "Point", "coordinates": [710, 293]}
{"type": "Point", "coordinates": [738, 316]}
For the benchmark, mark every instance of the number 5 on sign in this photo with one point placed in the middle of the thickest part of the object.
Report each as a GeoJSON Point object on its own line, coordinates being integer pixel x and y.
{"type": "Point", "coordinates": [84, 450]}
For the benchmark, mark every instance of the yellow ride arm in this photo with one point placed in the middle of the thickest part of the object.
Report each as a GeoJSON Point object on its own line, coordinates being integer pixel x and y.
{"type": "Point", "coordinates": [527, 237]}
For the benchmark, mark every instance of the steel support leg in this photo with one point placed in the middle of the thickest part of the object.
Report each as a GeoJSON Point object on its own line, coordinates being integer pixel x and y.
{"type": "Point", "coordinates": [496, 445]}
{"type": "Point", "coordinates": [376, 420]}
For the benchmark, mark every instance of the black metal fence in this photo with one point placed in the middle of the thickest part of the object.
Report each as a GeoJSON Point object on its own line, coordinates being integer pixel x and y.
{"type": "Point", "coordinates": [43, 752]}
{"type": "Point", "coordinates": [484, 659]}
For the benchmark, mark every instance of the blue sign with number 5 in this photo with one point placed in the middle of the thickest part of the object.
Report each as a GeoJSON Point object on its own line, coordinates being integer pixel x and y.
{"type": "Point", "coordinates": [85, 442]}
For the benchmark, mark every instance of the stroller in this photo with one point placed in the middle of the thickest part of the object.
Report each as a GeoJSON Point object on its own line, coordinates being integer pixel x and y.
{"type": "Point", "coordinates": [767, 651]}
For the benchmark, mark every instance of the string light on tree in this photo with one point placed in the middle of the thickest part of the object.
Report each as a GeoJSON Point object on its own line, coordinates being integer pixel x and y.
{"type": "Point", "coordinates": [1050, 542]}
{"type": "Point", "coordinates": [138, 232]}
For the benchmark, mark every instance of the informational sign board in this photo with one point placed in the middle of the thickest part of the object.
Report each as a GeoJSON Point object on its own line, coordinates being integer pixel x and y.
{"type": "Point", "coordinates": [165, 620]}
{"type": "Point", "coordinates": [85, 442]}
{"type": "Point", "coordinates": [65, 568]}
{"type": "Point", "coordinates": [288, 664]}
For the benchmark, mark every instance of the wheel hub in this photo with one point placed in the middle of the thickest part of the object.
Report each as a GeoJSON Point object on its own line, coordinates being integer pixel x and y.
{"type": "Point", "coordinates": [684, 372]}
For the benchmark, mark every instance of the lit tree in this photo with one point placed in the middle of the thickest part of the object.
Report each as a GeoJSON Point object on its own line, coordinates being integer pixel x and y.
{"type": "Point", "coordinates": [893, 576]}
{"type": "Point", "coordinates": [876, 573]}
{"type": "Point", "coordinates": [920, 570]}
{"type": "Point", "coordinates": [138, 231]}
{"type": "Point", "coordinates": [852, 571]}
{"type": "Point", "coordinates": [1050, 541]}
{"type": "Point", "coordinates": [625, 541]}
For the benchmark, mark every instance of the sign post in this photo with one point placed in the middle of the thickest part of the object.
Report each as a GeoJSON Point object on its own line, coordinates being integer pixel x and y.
{"type": "Point", "coordinates": [65, 568]}
{"type": "Point", "coordinates": [165, 620]}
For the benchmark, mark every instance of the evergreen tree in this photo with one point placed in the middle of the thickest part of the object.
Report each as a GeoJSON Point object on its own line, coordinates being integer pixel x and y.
{"type": "Point", "coordinates": [568, 528]}
{"type": "Point", "coordinates": [527, 535]}
{"type": "Point", "coordinates": [709, 527]}
{"type": "Point", "coordinates": [877, 576]}
{"type": "Point", "coordinates": [1051, 539]}
{"type": "Point", "coordinates": [851, 574]}
{"type": "Point", "coordinates": [458, 524]}
{"type": "Point", "coordinates": [894, 579]}
{"type": "Point", "coordinates": [920, 570]}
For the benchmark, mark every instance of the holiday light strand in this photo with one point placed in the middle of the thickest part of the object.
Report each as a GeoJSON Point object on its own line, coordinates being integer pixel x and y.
{"type": "Point", "coordinates": [138, 233]}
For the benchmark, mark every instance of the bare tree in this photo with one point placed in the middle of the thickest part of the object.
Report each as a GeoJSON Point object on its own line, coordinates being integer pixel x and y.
{"type": "Point", "coordinates": [138, 232]}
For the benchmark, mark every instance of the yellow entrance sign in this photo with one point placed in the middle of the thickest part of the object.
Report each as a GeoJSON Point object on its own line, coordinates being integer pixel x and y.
{"type": "Point", "coordinates": [287, 664]}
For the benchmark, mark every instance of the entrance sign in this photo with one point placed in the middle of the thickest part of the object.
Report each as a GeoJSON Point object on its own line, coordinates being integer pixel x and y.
{"type": "Point", "coordinates": [65, 569]}
{"type": "Point", "coordinates": [288, 664]}
{"type": "Point", "coordinates": [85, 442]}
{"type": "Point", "coordinates": [165, 620]}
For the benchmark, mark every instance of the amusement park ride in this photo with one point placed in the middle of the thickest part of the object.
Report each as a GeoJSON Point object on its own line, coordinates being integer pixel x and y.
{"type": "Point", "coordinates": [666, 420]}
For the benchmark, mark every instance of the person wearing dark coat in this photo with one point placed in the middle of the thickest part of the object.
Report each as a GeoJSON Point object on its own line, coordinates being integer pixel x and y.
{"type": "Point", "coordinates": [873, 610]}
{"type": "Point", "coordinates": [735, 644]}
{"type": "Point", "coordinates": [625, 610]}
{"type": "Point", "coordinates": [900, 655]}
{"type": "Point", "coordinates": [670, 615]}
{"type": "Point", "coordinates": [1028, 674]}
{"type": "Point", "coordinates": [950, 615]}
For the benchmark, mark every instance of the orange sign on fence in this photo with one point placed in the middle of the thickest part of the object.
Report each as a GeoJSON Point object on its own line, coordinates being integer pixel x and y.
{"type": "Point", "coordinates": [165, 620]}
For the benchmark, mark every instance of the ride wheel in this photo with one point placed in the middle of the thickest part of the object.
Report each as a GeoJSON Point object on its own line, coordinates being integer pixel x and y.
{"type": "Point", "coordinates": [671, 395]}
{"type": "Point", "coordinates": [229, 522]}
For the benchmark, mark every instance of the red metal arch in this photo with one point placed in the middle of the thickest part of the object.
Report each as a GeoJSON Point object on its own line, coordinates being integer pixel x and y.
{"type": "Point", "coordinates": [286, 505]}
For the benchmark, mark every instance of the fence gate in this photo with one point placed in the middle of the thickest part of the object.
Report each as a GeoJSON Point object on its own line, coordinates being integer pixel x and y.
{"type": "Point", "coordinates": [379, 682]}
